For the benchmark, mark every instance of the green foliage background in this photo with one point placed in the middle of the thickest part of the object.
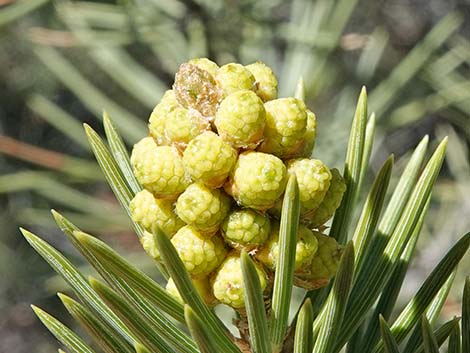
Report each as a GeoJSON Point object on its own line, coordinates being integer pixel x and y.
{"type": "Point", "coordinates": [64, 61]}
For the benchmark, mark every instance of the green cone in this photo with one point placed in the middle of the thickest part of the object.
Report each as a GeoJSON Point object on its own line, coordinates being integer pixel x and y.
{"type": "Point", "coordinates": [149, 212]}
{"type": "Point", "coordinates": [234, 77]}
{"type": "Point", "coordinates": [286, 122]}
{"type": "Point", "coordinates": [240, 119]}
{"type": "Point", "coordinates": [227, 283]}
{"type": "Point", "coordinates": [323, 266]}
{"type": "Point", "coordinates": [200, 254]}
{"type": "Point", "coordinates": [159, 117]}
{"type": "Point", "coordinates": [266, 81]}
{"type": "Point", "coordinates": [205, 64]}
{"type": "Point", "coordinates": [202, 207]}
{"type": "Point", "coordinates": [159, 169]}
{"type": "Point", "coordinates": [209, 159]}
{"type": "Point", "coordinates": [202, 285]}
{"type": "Point", "coordinates": [330, 202]}
{"type": "Point", "coordinates": [313, 178]}
{"type": "Point", "coordinates": [306, 248]}
{"type": "Point", "coordinates": [246, 229]}
{"type": "Point", "coordinates": [257, 180]}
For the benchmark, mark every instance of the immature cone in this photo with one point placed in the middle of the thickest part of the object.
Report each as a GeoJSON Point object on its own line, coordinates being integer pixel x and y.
{"type": "Point", "coordinates": [205, 64]}
{"type": "Point", "coordinates": [246, 229]}
{"type": "Point", "coordinates": [234, 77]}
{"type": "Point", "coordinates": [266, 81]}
{"type": "Point", "coordinates": [306, 248]}
{"type": "Point", "coordinates": [323, 266]}
{"type": "Point", "coordinates": [209, 159]}
{"type": "Point", "coordinates": [148, 243]}
{"type": "Point", "coordinates": [257, 180]}
{"type": "Point", "coordinates": [308, 141]}
{"type": "Point", "coordinates": [227, 283]}
{"type": "Point", "coordinates": [202, 207]}
{"type": "Point", "coordinates": [240, 119]}
{"type": "Point", "coordinates": [313, 178]}
{"type": "Point", "coordinates": [330, 202]}
{"type": "Point", "coordinates": [196, 88]}
{"type": "Point", "coordinates": [286, 122]}
{"type": "Point", "coordinates": [159, 117]}
{"type": "Point", "coordinates": [159, 169]}
{"type": "Point", "coordinates": [203, 288]}
{"type": "Point", "coordinates": [200, 254]}
{"type": "Point", "coordinates": [183, 125]}
{"type": "Point", "coordinates": [225, 127]}
{"type": "Point", "coordinates": [149, 212]}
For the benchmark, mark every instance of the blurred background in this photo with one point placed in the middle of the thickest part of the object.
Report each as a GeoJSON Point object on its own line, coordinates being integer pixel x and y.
{"type": "Point", "coordinates": [62, 62]}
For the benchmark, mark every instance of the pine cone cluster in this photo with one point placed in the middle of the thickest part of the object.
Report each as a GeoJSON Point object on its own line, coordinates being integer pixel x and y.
{"type": "Point", "coordinates": [214, 168]}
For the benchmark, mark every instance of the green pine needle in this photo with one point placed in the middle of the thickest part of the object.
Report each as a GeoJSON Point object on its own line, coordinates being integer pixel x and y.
{"type": "Point", "coordinates": [352, 170]}
{"type": "Point", "coordinates": [78, 282]}
{"type": "Point", "coordinates": [136, 322]}
{"type": "Point", "coordinates": [284, 275]}
{"type": "Point", "coordinates": [466, 316]}
{"type": "Point", "coordinates": [200, 331]}
{"type": "Point", "coordinates": [455, 346]}
{"type": "Point", "coordinates": [429, 340]}
{"type": "Point", "coordinates": [257, 322]}
{"type": "Point", "coordinates": [335, 305]}
{"type": "Point", "coordinates": [66, 336]}
{"type": "Point", "coordinates": [303, 342]}
{"type": "Point", "coordinates": [106, 338]}
{"type": "Point", "coordinates": [390, 344]}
